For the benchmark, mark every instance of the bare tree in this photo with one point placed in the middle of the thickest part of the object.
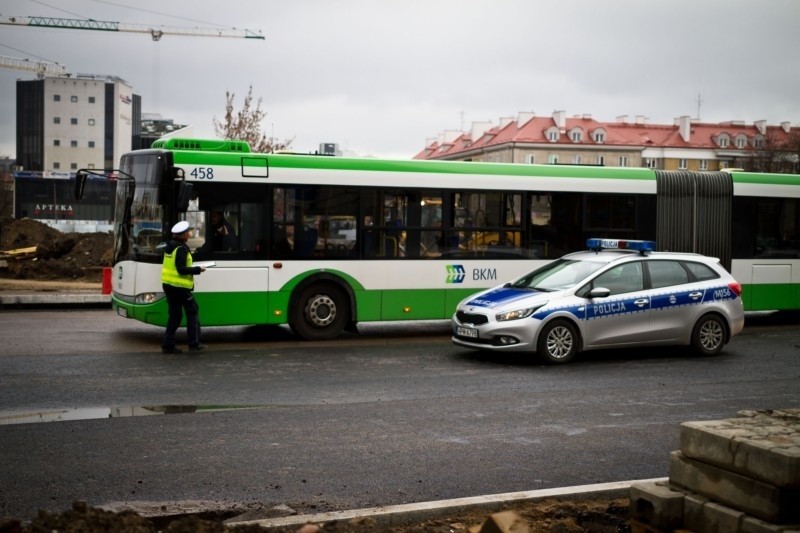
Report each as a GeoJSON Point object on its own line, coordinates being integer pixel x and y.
{"type": "Point", "coordinates": [770, 154]}
{"type": "Point", "coordinates": [245, 125]}
{"type": "Point", "coordinates": [792, 146]}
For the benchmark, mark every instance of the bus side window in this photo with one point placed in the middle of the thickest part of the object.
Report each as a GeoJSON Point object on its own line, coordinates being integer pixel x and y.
{"type": "Point", "coordinates": [281, 247]}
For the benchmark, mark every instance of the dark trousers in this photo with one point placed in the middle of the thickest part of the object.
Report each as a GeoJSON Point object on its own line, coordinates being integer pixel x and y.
{"type": "Point", "coordinates": [178, 301]}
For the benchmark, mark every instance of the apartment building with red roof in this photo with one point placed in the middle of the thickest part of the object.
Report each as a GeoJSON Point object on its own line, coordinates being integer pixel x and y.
{"type": "Point", "coordinates": [687, 144]}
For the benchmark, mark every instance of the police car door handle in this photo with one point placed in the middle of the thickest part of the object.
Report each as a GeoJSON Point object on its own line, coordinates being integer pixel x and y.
{"type": "Point", "coordinates": [695, 295]}
{"type": "Point", "coordinates": [642, 302]}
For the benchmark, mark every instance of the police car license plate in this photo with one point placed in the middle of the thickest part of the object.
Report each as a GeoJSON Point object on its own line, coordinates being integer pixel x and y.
{"type": "Point", "coordinates": [461, 331]}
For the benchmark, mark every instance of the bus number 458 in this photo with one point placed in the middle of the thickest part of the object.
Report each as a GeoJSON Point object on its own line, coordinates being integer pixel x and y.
{"type": "Point", "coordinates": [202, 173]}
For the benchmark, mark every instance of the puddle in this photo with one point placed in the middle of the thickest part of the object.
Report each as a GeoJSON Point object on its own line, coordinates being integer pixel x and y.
{"type": "Point", "coordinates": [92, 413]}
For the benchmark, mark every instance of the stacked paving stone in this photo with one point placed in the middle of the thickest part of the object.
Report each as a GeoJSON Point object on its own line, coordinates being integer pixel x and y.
{"type": "Point", "coordinates": [734, 475]}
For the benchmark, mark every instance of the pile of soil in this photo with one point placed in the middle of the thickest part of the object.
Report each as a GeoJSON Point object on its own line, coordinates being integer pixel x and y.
{"type": "Point", "coordinates": [606, 516]}
{"type": "Point", "coordinates": [59, 256]}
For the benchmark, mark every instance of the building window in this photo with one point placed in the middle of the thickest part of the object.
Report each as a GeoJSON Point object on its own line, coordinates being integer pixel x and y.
{"type": "Point", "coordinates": [577, 160]}
{"type": "Point", "coordinates": [56, 142]}
{"type": "Point", "coordinates": [601, 160]}
{"type": "Point", "coordinates": [723, 142]}
{"type": "Point", "coordinates": [73, 99]}
{"type": "Point", "coordinates": [91, 165]}
{"type": "Point", "coordinates": [623, 160]}
{"type": "Point", "coordinates": [56, 120]}
{"type": "Point", "coordinates": [759, 142]}
{"type": "Point", "coordinates": [91, 122]}
{"type": "Point", "coordinates": [56, 165]}
{"type": "Point", "coordinates": [91, 99]}
{"type": "Point", "coordinates": [704, 164]}
{"type": "Point", "coordinates": [530, 159]}
{"type": "Point", "coordinates": [73, 166]}
{"type": "Point", "coordinates": [552, 135]}
{"type": "Point", "coordinates": [741, 141]}
{"type": "Point", "coordinates": [599, 137]}
{"type": "Point", "coordinates": [650, 162]}
{"type": "Point", "coordinates": [682, 164]}
{"type": "Point", "coordinates": [91, 144]}
{"type": "Point", "coordinates": [56, 97]}
{"type": "Point", "coordinates": [577, 136]}
{"type": "Point", "coordinates": [73, 121]}
{"type": "Point", "coordinates": [552, 159]}
{"type": "Point", "coordinates": [73, 144]}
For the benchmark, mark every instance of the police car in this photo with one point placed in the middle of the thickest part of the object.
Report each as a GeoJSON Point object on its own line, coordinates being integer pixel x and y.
{"type": "Point", "coordinates": [618, 293]}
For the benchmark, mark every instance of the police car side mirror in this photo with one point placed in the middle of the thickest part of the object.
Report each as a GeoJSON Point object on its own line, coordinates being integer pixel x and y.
{"type": "Point", "coordinates": [599, 292]}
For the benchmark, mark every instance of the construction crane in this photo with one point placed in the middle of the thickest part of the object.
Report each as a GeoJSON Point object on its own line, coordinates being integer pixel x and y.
{"type": "Point", "coordinates": [156, 32]}
{"type": "Point", "coordinates": [41, 68]}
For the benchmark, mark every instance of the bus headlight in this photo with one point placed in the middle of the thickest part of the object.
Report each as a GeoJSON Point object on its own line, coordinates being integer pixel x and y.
{"type": "Point", "coordinates": [517, 313]}
{"type": "Point", "coordinates": [148, 297]}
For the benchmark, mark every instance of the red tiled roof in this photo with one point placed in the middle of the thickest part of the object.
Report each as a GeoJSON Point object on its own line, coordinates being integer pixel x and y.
{"type": "Point", "coordinates": [535, 130]}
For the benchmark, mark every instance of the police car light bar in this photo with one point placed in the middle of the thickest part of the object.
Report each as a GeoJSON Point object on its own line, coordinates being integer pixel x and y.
{"type": "Point", "coordinates": [620, 244]}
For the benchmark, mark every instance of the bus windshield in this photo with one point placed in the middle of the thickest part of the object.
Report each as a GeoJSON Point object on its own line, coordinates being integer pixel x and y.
{"type": "Point", "coordinates": [140, 220]}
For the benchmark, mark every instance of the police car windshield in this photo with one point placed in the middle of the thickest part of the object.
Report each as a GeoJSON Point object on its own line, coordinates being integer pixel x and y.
{"type": "Point", "coordinates": [558, 275]}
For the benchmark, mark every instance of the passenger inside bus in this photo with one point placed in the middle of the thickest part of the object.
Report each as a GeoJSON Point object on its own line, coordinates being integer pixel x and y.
{"type": "Point", "coordinates": [220, 233]}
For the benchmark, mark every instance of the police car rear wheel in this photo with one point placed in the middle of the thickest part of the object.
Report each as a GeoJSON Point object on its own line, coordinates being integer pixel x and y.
{"type": "Point", "coordinates": [709, 335]}
{"type": "Point", "coordinates": [558, 342]}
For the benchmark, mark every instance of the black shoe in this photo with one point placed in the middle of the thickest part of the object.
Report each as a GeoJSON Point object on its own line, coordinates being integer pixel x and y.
{"type": "Point", "coordinates": [171, 350]}
{"type": "Point", "coordinates": [198, 348]}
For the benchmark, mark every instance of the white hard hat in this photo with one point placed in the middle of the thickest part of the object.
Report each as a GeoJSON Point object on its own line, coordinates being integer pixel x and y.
{"type": "Point", "coordinates": [180, 227]}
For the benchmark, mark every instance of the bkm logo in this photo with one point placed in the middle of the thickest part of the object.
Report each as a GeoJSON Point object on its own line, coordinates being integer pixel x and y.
{"type": "Point", "coordinates": [455, 273]}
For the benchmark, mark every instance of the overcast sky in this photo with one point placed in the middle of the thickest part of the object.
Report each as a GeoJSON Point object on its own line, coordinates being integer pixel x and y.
{"type": "Point", "coordinates": [379, 77]}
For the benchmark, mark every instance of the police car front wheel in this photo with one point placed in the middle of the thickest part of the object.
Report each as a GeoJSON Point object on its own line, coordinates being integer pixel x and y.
{"type": "Point", "coordinates": [558, 342]}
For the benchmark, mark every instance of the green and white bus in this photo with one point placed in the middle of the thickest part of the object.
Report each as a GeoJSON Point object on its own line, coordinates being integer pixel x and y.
{"type": "Point", "coordinates": [323, 243]}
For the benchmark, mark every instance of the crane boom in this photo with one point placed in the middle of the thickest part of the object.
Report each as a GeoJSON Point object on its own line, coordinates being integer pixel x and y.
{"type": "Point", "coordinates": [41, 68]}
{"type": "Point", "coordinates": [156, 32]}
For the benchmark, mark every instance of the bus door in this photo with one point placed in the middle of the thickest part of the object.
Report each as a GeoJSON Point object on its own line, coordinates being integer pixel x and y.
{"type": "Point", "coordinates": [230, 230]}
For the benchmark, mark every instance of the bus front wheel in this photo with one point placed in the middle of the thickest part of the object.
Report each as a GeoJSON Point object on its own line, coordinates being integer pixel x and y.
{"type": "Point", "coordinates": [320, 313]}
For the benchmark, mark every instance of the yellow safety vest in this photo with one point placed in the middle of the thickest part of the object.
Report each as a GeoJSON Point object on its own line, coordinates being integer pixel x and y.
{"type": "Point", "coordinates": [170, 274]}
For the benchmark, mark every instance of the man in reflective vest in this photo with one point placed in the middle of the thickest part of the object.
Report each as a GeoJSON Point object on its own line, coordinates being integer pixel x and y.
{"type": "Point", "coordinates": [177, 278]}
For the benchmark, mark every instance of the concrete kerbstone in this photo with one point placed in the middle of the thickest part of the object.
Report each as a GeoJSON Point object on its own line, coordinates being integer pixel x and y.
{"type": "Point", "coordinates": [763, 445]}
{"type": "Point", "coordinates": [754, 497]}
{"type": "Point", "coordinates": [657, 504]}
{"type": "Point", "coordinates": [751, 524]}
{"type": "Point", "coordinates": [721, 519]}
{"type": "Point", "coordinates": [693, 512]}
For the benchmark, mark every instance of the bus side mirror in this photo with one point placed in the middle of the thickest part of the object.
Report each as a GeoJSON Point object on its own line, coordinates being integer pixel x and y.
{"type": "Point", "coordinates": [80, 183]}
{"type": "Point", "coordinates": [184, 196]}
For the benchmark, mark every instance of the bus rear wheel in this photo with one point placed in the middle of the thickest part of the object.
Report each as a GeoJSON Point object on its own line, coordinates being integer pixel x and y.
{"type": "Point", "coordinates": [321, 312]}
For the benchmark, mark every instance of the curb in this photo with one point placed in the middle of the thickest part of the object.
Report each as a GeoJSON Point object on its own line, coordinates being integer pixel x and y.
{"type": "Point", "coordinates": [395, 515]}
{"type": "Point", "coordinates": [54, 299]}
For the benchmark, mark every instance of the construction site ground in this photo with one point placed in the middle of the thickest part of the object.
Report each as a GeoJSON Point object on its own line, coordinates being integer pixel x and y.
{"type": "Point", "coordinates": [34, 252]}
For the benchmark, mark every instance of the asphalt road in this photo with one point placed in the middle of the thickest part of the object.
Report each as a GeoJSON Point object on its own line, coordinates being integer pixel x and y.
{"type": "Point", "coordinates": [394, 415]}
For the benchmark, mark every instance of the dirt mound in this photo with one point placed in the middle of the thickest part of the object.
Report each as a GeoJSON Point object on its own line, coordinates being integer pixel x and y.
{"type": "Point", "coordinates": [59, 256]}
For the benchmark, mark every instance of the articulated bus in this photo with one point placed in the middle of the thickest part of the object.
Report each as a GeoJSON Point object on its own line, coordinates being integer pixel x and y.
{"type": "Point", "coordinates": [323, 243]}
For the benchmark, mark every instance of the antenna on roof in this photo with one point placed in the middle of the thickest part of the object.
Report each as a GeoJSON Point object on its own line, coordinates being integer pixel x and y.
{"type": "Point", "coordinates": [699, 103]}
